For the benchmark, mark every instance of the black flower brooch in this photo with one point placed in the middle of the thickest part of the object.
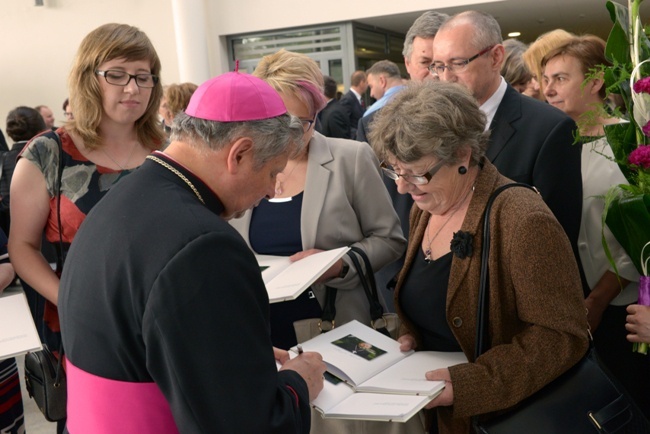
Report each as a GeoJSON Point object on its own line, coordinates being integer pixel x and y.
{"type": "Point", "coordinates": [461, 244]}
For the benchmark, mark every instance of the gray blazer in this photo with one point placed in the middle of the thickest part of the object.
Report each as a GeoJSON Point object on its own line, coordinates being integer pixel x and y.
{"type": "Point", "coordinates": [345, 203]}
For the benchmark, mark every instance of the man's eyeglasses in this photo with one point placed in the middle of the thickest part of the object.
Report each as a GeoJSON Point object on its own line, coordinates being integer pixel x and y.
{"type": "Point", "coordinates": [456, 65]}
{"type": "Point", "coordinates": [413, 179]}
{"type": "Point", "coordinates": [121, 78]}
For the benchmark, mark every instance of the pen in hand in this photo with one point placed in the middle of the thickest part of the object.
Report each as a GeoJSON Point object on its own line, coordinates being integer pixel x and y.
{"type": "Point", "coordinates": [300, 351]}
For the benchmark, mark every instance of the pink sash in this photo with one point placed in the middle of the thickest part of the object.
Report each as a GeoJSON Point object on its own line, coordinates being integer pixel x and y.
{"type": "Point", "coordinates": [98, 405]}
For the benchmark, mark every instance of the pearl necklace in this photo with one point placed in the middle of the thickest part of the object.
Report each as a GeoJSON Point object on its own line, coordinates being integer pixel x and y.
{"type": "Point", "coordinates": [427, 252]}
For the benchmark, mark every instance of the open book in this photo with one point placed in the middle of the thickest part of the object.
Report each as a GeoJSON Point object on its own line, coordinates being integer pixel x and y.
{"type": "Point", "coordinates": [17, 330]}
{"type": "Point", "coordinates": [286, 280]}
{"type": "Point", "coordinates": [369, 378]}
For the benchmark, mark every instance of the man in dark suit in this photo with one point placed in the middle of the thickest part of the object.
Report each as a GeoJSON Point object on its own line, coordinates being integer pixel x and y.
{"type": "Point", "coordinates": [530, 141]}
{"type": "Point", "coordinates": [352, 101]}
{"type": "Point", "coordinates": [333, 119]}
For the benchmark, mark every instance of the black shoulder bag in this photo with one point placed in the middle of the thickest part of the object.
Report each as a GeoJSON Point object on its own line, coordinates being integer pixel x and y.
{"type": "Point", "coordinates": [45, 378]}
{"type": "Point", "coordinates": [583, 400]}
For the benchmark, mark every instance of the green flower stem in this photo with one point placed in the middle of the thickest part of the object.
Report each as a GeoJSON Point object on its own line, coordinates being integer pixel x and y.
{"type": "Point", "coordinates": [635, 24]}
{"type": "Point", "coordinates": [640, 347]}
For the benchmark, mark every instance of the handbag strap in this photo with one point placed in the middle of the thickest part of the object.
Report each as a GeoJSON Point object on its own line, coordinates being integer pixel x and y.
{"type": "Point", "coordinates": [367, 278]}
{"type": "Point", "coordinates": [59, 258]}
{"type": "Point", "coordinates": [482, 317]}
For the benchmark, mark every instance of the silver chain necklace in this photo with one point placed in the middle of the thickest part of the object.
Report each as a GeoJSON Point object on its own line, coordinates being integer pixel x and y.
{"type": "Point", "coordinates": [427, 252]}
{"type": "Point", "coordinates": [126, 163]}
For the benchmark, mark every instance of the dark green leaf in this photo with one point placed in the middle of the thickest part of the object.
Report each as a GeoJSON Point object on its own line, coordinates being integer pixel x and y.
{"type": "Point", "coordinates": [628, 218]}
{"type": "Point", "coordinates": [618, 47]}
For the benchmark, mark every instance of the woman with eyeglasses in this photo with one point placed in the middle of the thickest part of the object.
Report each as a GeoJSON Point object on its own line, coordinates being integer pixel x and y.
{"type": "Point", "coordinates": [331, 195]}
{"type": "Point", "coordinates": [432, 139]}
{"type": "Point", "coordinates": [328, 196]}
{"type": "Point", "coordinates": [115, 91]}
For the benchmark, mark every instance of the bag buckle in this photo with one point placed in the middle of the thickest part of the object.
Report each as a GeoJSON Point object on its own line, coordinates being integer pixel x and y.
{"type": "Point", "coordinates": [379, 323]}
{"type": "Point", "coordinates": [324, 327]}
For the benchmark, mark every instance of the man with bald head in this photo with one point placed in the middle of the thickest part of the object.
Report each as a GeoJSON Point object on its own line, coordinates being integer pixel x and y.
{"type": "Point", "coordinates": [530, 141]}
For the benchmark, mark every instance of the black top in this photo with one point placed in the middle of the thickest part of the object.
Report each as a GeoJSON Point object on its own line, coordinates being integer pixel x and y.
{"type": "Point", "coordinates": [275, 230]}
{"type": "Point", "coordinates": [275, 227]}
{"type": "Point", "coordinates": [424, 298]}
{"type": "Point", "coordinates": [158, 287]}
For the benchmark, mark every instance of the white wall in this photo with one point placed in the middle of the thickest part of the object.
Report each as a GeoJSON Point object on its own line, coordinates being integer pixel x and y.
{"type": "Point", "coordinates": [38, 45]}
{"type": "Point", "coordinates": [231, 17]}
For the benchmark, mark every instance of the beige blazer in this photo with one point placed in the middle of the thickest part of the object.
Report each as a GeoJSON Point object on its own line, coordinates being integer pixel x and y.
{"type": "Point", "coordinates": [345, 203]}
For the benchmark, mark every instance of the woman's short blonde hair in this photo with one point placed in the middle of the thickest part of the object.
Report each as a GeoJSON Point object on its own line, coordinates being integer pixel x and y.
{"type": "Point", "coordinates": [430, 118]}
{"type": "Point", "coordinates": [108, 42]}
{"type": "Point", "coordinates": [294, 74]}
{"type": "Point", "coordinates": [178, 96]}
{"type": "Point", "coordinates": [541, 47]}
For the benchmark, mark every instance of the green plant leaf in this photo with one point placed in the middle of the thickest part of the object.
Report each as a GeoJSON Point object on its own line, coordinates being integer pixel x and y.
{"type": "Point", "coordinates": [627, 217]}
{"type": "Point", "coordinates": [618, 47]}
{"type": "Point", "coordinates": [622, 139]}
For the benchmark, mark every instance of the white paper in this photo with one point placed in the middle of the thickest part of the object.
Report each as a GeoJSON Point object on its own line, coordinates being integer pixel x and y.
{"type": "Point", "coordinates": [286, 280]}
{"type": "Point", "coordinates": [17, 330]}
{"type": "Point", "coordinates": [408, 375]}
{"type": "Point", "coordinates": [348, 365]}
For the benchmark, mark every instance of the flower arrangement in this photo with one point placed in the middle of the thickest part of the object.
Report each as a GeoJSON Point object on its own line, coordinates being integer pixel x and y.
{"type": "Point", "coordinates": [627, 206]}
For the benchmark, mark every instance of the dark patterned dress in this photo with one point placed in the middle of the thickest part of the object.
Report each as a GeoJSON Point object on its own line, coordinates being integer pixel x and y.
{"type": "Point", "coordinates": [83, 184]}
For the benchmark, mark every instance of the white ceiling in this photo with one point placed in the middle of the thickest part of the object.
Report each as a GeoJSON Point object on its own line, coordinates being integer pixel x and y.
{"type": "Point", "coordinates": [530, 17]}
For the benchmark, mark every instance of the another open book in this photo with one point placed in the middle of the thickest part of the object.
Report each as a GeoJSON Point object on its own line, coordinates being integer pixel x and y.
{"type": "Point", "coordinates": [17, 330]}
{"type": "Point", "coordinates": [369, 378]}
{"type": "Point", "coordinates": [286, 280]}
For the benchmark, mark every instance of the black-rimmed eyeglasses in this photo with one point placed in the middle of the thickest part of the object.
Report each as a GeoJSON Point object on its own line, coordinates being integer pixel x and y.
{"type": "Point", "coordinates": [121, 78]}
{"type": "Point", "coordinates": [456, 65]}
{"type": "Point", "coordinates": [413, 179]}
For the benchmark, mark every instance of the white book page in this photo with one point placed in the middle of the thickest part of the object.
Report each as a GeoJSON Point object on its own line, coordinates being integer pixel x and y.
{"type": "Point", "coordinates": [271, 266]}
{"type": "Point", "coordinates": [286, 280]}
{"type": "Point", "coordinates": [331, 395]}
{"type": "Point", "coordinates": [379, 406]}
{"type": "Point", "coordinates": [355, 352]}
{"type": "Point", "coordinates": [408, 375]}
{"type": "Point", "coordinates": [17, 330]}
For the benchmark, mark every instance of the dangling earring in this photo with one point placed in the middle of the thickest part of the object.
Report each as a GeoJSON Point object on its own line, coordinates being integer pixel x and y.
{"type": "Point", "coordinates": [462, 170]}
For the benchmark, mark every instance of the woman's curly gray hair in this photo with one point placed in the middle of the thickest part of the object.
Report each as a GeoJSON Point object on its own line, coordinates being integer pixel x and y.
{"type": "Point", "coordinates": [430, 118]}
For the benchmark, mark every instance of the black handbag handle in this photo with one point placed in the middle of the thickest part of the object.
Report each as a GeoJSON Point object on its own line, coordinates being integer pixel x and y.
{"type": "Point", "coordinates": [482, 316]}
{"type": "Point", "coordinates": [367, 278]}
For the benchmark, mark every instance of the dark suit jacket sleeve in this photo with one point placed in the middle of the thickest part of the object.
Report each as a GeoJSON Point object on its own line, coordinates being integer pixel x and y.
{"type": "Point", "coordinates": [362, 128]}
{"type": "Point", "coordinates": [558, 177]}
{"type": "Point", "coordinates": [205, 330]}
{"type": "Point", "coordinates": [338, 123]}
